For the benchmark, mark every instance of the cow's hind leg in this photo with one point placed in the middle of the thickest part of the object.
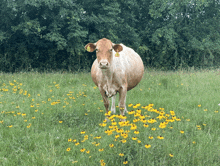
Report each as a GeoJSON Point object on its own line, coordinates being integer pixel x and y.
{"type": "Point", "coordinates": [122, 101]}
{"type": "Point", "coordinates": [113, 109]}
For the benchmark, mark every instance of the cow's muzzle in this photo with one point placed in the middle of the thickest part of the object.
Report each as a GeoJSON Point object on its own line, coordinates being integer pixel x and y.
{"type": "Point", "coordinates": [104, 64]}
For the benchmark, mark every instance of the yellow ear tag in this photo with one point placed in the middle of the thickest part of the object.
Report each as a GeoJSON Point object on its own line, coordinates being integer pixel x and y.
{"type": "Point", "coordinates": [88, 49]}
{"type": "Point", "coordinates": [117, 54]}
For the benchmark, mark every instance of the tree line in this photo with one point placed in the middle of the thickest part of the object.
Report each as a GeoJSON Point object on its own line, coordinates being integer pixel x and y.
{"type": "Point", "coordinates": [48, 35]}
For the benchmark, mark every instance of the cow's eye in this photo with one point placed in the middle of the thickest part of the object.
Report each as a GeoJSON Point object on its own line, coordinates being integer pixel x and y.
{"type": "Point", "coordinates": [97, 50]}
{"type": "Point", "coordinates": [110, 50]}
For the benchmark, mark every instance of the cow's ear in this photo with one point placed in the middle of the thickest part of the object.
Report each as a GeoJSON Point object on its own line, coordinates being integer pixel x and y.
{"type": "Point", "coordinates": [90, 47]}
{"type": "Point", "coordinates": [117, 47]}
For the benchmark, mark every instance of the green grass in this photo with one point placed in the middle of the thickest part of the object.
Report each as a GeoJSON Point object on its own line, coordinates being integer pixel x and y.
{"type": "Point", "coordinates": [42, 115]}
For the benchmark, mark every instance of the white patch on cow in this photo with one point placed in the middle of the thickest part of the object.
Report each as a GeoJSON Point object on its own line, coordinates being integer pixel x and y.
{"type": "Point", "coordinates": [113, 109]}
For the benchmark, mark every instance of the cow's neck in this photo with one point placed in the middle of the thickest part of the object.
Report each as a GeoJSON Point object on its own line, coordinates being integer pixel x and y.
{"type": "Point", "coordinates": [108, 85]}
{"type": "Point", "coordinates": [107, 75]}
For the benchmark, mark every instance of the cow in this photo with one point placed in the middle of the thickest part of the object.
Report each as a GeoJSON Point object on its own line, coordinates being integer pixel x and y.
{"type": "Point", "coordinates": [117, 68]}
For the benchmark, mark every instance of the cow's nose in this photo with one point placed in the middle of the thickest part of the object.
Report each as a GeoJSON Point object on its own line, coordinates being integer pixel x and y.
{"type": "Point", "coordinates": [104, 64]}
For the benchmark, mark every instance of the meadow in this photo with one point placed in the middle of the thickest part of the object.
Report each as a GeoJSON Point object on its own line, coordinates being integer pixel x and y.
{"type": "Point", "coordinates": [59, 119]}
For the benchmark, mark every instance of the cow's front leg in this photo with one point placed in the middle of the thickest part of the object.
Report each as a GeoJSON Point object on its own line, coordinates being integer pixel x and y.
{"type": "Point", "coordinates": [105, 100]}
{"type": "Point", "coordinates": [113, 109]}
{"type": "Point", "coordinates": [122, 100]}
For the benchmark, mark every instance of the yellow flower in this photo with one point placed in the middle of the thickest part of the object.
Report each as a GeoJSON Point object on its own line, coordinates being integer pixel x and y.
{"type": "Point", "coordinates": [10, 126]}
{"type": "Point", "coordinates": [116, 136]}
{"type": "Point", "coordinates": [134, 138]}
{"type": "Point", "coordinates": [136, 132]}
{"type": "Point", "coordinates": [82, 150]}
{"type": "Point", "coordinates": [88, 151]}
{"type": "Point", "coordinates": [178, 119]}
{"type": "Point", "coordinates": [152, 120]}
{"type": "Point", "coordinates": [135, 106]}
{"type": "Point", "coordinates": [97, 144]}
{"type": "Point", "coordinates": [82, 132]}
{"type": "Point", "coordinates": [153, 129]}
{"type": "Point", "coordinates": [150, 137]}
{"type": "Point", "coordinates": [125, 162]}
{"type": "Point", "coordinates": [160, 137]}
{"type": "Point", "coordinates": [131, 112]}
{"type": "Point", "coordinates": [32, 105]}
{"type": "Point", "coordinates": [130, 105]}
{"type": "Point", "coordinates": [143, 120]}
{"type": "Point", "coordinates": [102, 124]}
{"type": "Point", "coordinates": [77, 143]}
{"type": "Point", "coordinates": [162, 125]}
{"type": "Point", "coordinates": [98, 137]}
{"type": "Point", "coordinates": [100, 150]}
{"type": "Point", "coordinates": [68, 149]}
{"type": "Point", "coordinates": [162, 109]}
{"type": "Point", "coordinates": [69, 140]}
{"type": "Point", "coordinates": [138, 111]}
{"type": "Point", "coordinates": [114, 123]}
{"type": "Point", "coordinates": [121, 154]}
{"type": "Point", "coordinates": [146, 125]}
{"type": "Point", "coordinates": [188, 120]}
{"type": "Point", "coordinates": [171, 155]}
{"type": "Point", "coordinates": [111, 145]}
{"type": "Point", "coordinates": [199, 105]}
{"type": "Point", "coordinates": [139, 141]}
{"type": "Point", "coordinates": [133, 127]}
{"type": "Point", "coordinates": [135, 120]}
{"type": "Point", "coordinates": [123, 141]}
{"type": "Point", "coordinates": [147, 146]}
{"type": "Point", "coordinates": [181, 131]}
{"type": "Point", "coordinates": [60, 121]}
{"type": "Point", "coordinates": [172, 112]}
{"type": "Point", "coordinates": [216, 111]}
{"type": "Point", "coordinates": [124, 135]}
{"type": "Point", "coordinates": [205, 109]}
{"type": "Point", "coordinates": [193, 142]}
{"type": "Point", "coordinates": [33, 117]}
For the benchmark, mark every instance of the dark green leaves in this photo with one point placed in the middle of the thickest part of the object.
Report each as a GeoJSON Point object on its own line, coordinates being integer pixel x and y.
{"type": "Point", "coordinates": [51, 34]}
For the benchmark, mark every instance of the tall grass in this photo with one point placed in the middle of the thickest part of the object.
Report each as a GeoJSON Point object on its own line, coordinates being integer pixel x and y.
{"type": "Point", "coordinates": [58, 119]}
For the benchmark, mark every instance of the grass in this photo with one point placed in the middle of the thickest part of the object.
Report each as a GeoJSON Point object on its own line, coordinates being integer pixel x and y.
{"type": "Point", "coordinates": [58, 119]}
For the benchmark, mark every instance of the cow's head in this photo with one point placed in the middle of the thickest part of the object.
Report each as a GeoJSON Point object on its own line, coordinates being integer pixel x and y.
{"type": "Point", "coordinates": [104, 48]}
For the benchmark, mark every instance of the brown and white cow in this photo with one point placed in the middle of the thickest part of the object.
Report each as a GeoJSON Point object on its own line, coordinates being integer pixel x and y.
{"type": "Point", "coordinates": [117, 69]}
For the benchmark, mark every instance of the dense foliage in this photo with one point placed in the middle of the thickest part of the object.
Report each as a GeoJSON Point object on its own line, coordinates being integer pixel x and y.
{"type": "Point", "coordinates": [51, 34]}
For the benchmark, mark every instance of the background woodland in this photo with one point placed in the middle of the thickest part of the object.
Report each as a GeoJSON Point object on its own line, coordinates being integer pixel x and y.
{"type": "Point", "coordinates": [50, 35]}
